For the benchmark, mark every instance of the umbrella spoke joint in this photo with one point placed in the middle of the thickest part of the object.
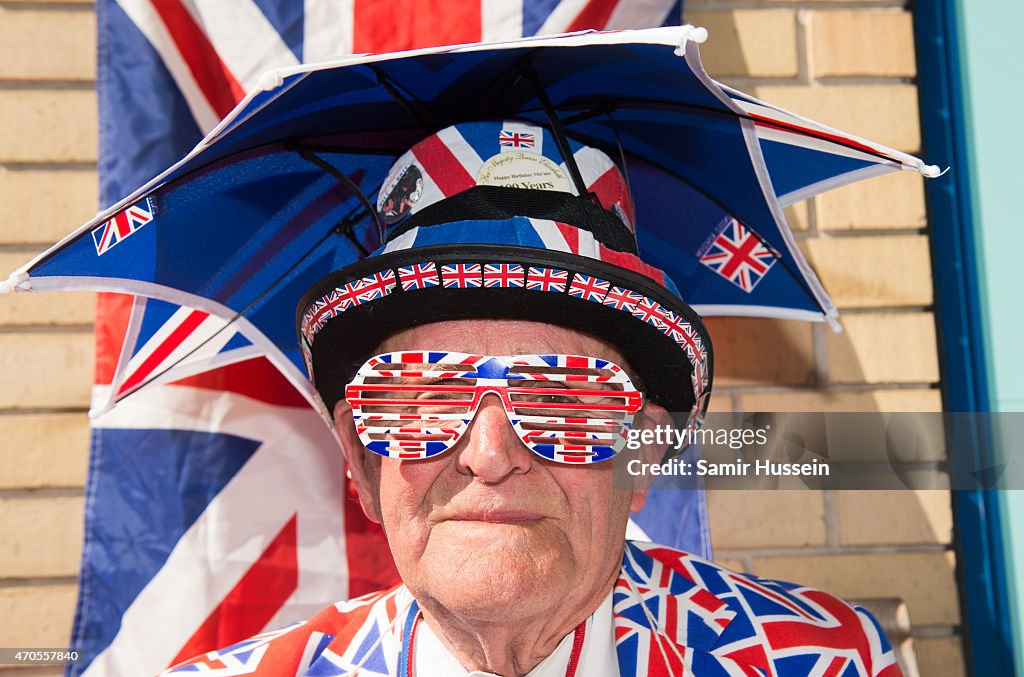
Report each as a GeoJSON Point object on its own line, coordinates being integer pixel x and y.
{"type": "Point", "coordinates": [347, 224]}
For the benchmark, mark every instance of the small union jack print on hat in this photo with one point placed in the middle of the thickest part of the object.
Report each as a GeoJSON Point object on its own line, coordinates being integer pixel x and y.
{"type": "Point", "coordinates": [589, 288]}
{"type": "Point", "coordinates": [515, 139]}
{"type": "Point", "coordinates": [462, 275]}
{"type": "Point", "coordinates": [547, 279]}
{"type": "Point", "coordinates": [503, 275]}
{"type": "Point", "coordinates": [418, 276]}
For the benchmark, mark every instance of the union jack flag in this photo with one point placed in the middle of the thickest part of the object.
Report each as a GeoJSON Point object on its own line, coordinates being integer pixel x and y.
{"type": "Point", "coordinates": [123, 224]}
{"type": "Point", "coordinates": [462, 275]}
{"type": "Point", "coordinates": [515, 139]}
{"type": "Point", "coordinates": [650, 311]}
{"type": "Point", "coordinates": [418, 276]}
{"type": "Point", "coordinates": [375, 286]}
{"type": "Point", "coordinates": [547, 279]}
{"type": "Point", "coordinates": [622, 299]}
{"type": "Point", "coordinates": [739, 255]}
{"type": "Point", "coordinates": [503, 275]}
{"type": "Point", "coordinates": [589, 288]}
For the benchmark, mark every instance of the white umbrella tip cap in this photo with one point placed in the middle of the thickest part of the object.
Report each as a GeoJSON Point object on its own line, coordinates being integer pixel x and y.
{"type": "Point", "coordinates": [270, 80]}
{"type": "Point", "coordinates": [695, 34]}
{"type": "Point", "coordinates": [933, 171]}
{"type": "Point", "coordinates": [17, 281]}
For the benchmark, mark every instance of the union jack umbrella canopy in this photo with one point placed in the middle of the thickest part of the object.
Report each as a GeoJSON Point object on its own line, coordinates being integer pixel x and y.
{"type": "Point", "coordinates": [274, 198]}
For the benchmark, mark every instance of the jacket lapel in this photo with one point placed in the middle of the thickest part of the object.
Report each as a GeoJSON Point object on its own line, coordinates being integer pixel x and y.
{"type": "Point", "coordinates": [663, 618]}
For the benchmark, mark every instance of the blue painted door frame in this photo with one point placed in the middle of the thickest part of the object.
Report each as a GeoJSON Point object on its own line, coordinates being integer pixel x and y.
{"type": "Point", "coordinates": [986, 586]}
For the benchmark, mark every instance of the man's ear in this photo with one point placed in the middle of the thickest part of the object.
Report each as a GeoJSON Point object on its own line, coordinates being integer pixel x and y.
{"type": "Point", "coordinates": [648, 418]}
{"type": "Point", "coordinates": [365, 475]}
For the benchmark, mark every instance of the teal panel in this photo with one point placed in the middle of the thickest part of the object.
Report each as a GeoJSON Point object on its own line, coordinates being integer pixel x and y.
{"type": "Point", "coordinates": [993, 73]}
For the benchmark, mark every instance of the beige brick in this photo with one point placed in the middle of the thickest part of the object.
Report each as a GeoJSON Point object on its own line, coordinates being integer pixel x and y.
{"type": "Point", "coordinates": [43, 450]}
{"type": "Point", "coordinates": [744, 519]}
{"type": "Point", "coordinates": [41, 45]}
{"type": "Point", "coordinates": [908, 399]}
{"type": "Point", "coordinates": [894, 517]}
{"type": "Point", "coordinates": [40, 536]}
{"type": "Point", "coordinates": [43, 671]}
{"type": "Point", "coordinates": [758, 351]}
{"type": "Point", "coordinates": [53, 309]}
{"type": "Point", "coordinates": [45, 369]}
{"type": "Point", "coordinates": [873, 272]}
{"type": "Point", "coordinates": [869, 43]}
{"type": "Point", "coordinates": [42, 206]}
{"type": "Point", "coordinates": [886, 114]}
{"type": "Point", "coordinates": [940, 656]}
{"type": "Point", "coordinates": [42, 308]}
{"type": "Point", "coordinates": [887, 438]}
{"type": "Point", "coordinates": [732, 564]}
{"type": "Point", "coordinates": [798, 216]}
{"type": "Point", "coordinates": [720, 404]}
{"type": "Point", "coordinates": [48, 126]}
{"type": "Point", "coordinates": [889, 201]}
{"type": "Point", "coordinates": [757, 43]}
{"type": "Point", "coordinates": [926, 581]}
{"type": "Point", "coordinates": [37, 616]}
{"type": "Point", "coordinates": [884, 348]}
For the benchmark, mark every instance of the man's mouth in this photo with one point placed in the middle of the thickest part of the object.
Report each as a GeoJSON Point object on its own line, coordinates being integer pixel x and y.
{"type": "Point", "coordinates": [498, 516]}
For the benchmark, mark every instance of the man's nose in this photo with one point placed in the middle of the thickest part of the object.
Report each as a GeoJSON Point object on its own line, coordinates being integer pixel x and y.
{"type": "Point", "coordinates": [492, 450]}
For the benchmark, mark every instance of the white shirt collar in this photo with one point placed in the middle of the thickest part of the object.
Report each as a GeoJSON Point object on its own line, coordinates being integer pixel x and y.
{"type": "Point", "coordinates": [598, 658]}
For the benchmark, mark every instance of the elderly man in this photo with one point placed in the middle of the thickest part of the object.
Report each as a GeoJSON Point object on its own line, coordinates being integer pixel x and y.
{"type": "Point", "coordinates": [483, 370]}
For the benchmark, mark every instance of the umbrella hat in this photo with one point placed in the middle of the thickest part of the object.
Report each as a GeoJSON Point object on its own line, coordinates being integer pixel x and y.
{"type": "Point", "coordinates": [273, 200]}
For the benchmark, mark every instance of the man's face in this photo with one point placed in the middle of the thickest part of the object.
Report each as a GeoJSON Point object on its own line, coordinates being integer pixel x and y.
{"type": "Point", "coordinates": [489, 530]}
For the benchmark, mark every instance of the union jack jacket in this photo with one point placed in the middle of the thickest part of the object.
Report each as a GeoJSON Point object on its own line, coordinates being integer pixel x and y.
{"type": "Point", "coordinates": [674, 614]}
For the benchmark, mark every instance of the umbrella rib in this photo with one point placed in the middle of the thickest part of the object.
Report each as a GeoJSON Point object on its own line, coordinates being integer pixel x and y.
{"type": "Point", "coordinates": [556, 126]}
{"type": "Point", "coordinates": [391, 86]}
{"type": "Point", "coordinates": [344, 224]}
{"type": "Point", "coordinates": [642, 104]}
{"type": "Point", "coordinates": [315, 159]}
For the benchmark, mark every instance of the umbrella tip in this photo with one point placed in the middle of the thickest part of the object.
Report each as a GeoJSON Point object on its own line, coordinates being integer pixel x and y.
{"type": "Point", "coordinates": [933, 171]}
{"type": "Point", "coordinates": [17, 281]}
{"type": "Point", "coordinates": [690, 33]}
{"type": "Point", "coordinates": [270, 80]}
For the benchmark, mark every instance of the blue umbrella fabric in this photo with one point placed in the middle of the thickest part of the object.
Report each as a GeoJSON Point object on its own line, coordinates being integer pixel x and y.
{"type": "Point", "coordinates": [275, 197]}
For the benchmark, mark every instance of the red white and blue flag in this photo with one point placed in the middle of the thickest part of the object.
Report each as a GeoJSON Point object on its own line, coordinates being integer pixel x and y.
{"type": "Point", "coordinates": [122, 225]}
{"type": "Point", "coordinates": [515, 139]}
{"type": "Point", "coordinates": [738, 255]}
{"type": "Point", "coordinates": [183, 550]}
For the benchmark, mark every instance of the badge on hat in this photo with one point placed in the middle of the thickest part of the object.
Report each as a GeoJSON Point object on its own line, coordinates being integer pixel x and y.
{"type": "Point", "coordinates": [522, 169]}
{"type": "Point", "coordinates": [400, 193]}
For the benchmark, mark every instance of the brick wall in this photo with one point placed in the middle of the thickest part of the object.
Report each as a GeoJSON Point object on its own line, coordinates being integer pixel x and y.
{"type": "Point", "coordinates": [848, 63]}
{"type": "Point", "coordinates": [47, 186]}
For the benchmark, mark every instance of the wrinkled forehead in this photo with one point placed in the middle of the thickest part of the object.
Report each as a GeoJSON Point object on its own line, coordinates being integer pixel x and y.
{"type": "Point", "coordinates": [501, 337]}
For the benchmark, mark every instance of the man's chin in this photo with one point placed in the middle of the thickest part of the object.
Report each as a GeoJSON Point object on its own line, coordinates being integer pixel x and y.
{"type": "Point", "coordinates": [480, 568]}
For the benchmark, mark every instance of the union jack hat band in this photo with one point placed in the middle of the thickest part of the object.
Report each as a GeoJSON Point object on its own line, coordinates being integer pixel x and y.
{"type": "Point", "coordinates": [417, 404]}
{"type": "Point", "coordinates": [343, 319]}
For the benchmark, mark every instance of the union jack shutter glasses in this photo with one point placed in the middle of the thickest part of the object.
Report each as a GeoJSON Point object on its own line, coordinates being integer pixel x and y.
{"type": "Point", "coordinates": [565, 408]}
